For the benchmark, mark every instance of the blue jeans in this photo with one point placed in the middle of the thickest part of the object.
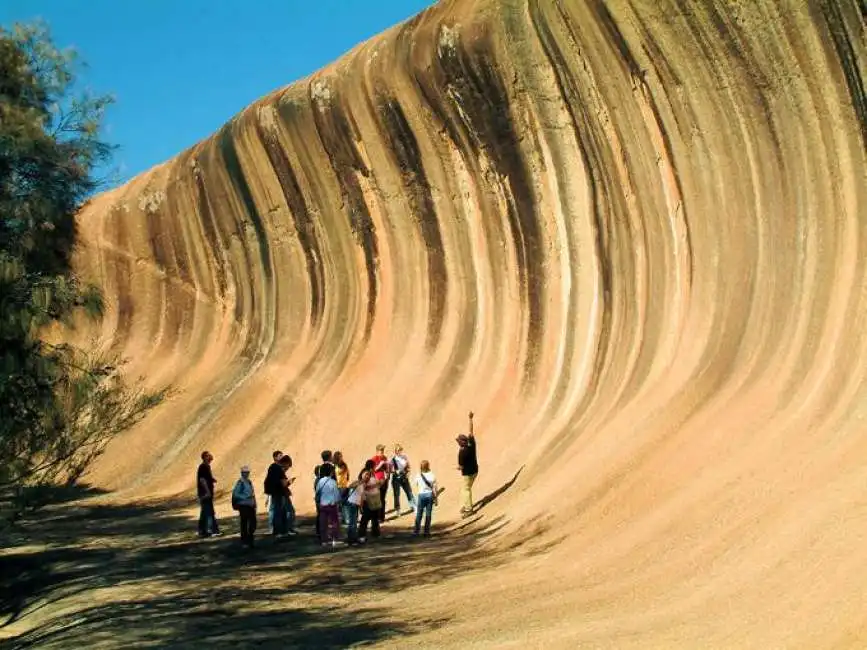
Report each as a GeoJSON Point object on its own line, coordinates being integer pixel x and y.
{"type": "Point", "coordinates": [290, 513]}
{"type": "Point", "coordinates": [207, 517]}
{"type": "Point", "coordinates": [352, 522]}
{"type": "Point", "coordinates": [344, 507]}
{"type": "Point", "coordinates": [425, 505]}
{"type": "Point", "coordinates": [279, 503]}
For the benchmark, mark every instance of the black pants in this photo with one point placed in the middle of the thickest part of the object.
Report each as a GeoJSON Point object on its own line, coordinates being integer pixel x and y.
{"type": "Point", "coordinates": [248, 524]}
{"type": "Point", "coordinates": [383, 490]}
{"type": "Point", "coordinates": [401, 482]}
{"type": "Point", "coordinates": [372, 516]}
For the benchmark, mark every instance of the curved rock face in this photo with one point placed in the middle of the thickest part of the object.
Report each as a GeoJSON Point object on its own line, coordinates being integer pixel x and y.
{"type": "Point", "coordinates": [630, 235]}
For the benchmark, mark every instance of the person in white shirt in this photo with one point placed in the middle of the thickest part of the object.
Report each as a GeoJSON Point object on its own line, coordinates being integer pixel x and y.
{"type": "Point", "coordinates": [354, 501]}
{"type": "Point", "coordinates": [400, 479]}
{"type": "Point", "coordinates": [426, 483]}
{"type": "Point", "coordinates": [328, 500]}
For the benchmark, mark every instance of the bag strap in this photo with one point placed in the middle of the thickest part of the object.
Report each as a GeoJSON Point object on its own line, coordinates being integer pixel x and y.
{"type": "Point", "coordinates": [319, 486]}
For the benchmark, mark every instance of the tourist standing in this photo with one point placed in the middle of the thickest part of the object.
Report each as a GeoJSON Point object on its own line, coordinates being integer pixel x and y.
{"type": "Point", "coordinates": [277, 485]}
{"type": "Point", "coordinates": [318, 471]}
{"type": "Point", "coordinates": [244, 501]}
{"type": "Point", "coordinates": [426, 486]}
{"type": "Point", "coordinates": [381, 472]}
{"type": "Point", "coordinates": [205, 481]}
{"type": "Point", "coordinates": [342, 470]}
{"type": "Point", "coordinates": [400, 478]}
{"type": "Point", "coordinates": [273, 468]}
{"type": "Point", "coordinates": [286, 464]}
{"type": "Point", "coordinates": [468, 465]}
{"type": "Point", "coordinates": [371, 504]}
{"type": "Point", "coordinates": [328, 498]}
{"type": "Point", "coordinates": [354, 501]}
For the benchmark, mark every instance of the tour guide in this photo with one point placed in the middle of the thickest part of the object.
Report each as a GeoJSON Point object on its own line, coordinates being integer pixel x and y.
{"type": "Point", "coordinates": [468, 464]}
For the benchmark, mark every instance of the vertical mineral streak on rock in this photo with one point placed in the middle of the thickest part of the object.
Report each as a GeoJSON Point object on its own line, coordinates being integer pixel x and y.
{"type": "Point", "coordinates": [402, 142]}
{"type": "Point", "coordinates": [480, 97]}
{"type": "Point", "coordinates": [261, 312]}
{"type": "Point", "coordinates": [846, 31]}
{"type": "Point", "coordinates": [305, 228]}
{"type": "Point", "coordinates": [338, 134]}
{"type": "Point", "coordinates": [580, 111]}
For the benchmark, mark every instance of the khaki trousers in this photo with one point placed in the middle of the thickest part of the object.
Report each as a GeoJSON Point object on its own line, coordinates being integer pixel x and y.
{"type": "Point", "coordinates": [467, 493]}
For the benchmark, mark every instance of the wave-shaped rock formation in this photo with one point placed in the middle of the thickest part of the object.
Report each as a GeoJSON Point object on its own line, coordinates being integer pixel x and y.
{"type": "Point", "coordinates": [630, 235]}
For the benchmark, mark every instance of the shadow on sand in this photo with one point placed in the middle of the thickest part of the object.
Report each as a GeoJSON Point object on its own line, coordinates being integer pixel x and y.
{"type": "Point", "coordinates": [137, 575]}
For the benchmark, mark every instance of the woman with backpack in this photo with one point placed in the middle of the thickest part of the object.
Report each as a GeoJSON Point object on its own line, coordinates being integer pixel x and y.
{"type": "Point", "coordinates": [426, 483]}
{"type": "Point", "coordinates": [244, 501]}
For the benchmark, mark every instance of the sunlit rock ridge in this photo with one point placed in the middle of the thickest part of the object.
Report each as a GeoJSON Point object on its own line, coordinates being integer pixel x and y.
{"type": "Point", "coordinates": [631, 236]}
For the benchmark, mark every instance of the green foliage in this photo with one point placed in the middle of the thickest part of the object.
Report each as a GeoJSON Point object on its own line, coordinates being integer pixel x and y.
{"type": "Point", "coordinates": [59, 406]}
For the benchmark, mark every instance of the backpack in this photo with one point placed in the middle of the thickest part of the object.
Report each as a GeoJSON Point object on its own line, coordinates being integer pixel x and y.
{"type": "Point", "coordinates": [236, 504]}
{"type": "Point", "coordinates": [270, 482]}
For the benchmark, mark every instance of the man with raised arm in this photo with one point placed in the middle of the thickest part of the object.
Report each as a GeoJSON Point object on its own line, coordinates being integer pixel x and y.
{"type": "Point", "coordinates": [468, 465]}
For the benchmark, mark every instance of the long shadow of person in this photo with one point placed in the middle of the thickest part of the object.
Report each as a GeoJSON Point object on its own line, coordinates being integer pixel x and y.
{"type": "Point", "coordinates": [500, 490]}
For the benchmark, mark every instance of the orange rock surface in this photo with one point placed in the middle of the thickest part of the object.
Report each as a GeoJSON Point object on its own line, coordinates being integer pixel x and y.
{"type": "Point", "coordinates": [631, 236]}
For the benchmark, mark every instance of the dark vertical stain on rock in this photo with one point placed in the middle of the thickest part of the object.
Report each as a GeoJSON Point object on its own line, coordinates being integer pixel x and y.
{"type": "Point", "coordinates": [338, 135]}
{"type": "Point", "coordinates": [304, 226]}
{"type": "Point", "coordinates": [842, 40]}
{"type": "Point", "coordinates": [403, 144]}
{"type": "Point", "coordinates": [582, 124]}
{"type": "Point", "coordinates": [480, 93]}
{"type": "Point", "coordinates": [212, 237]}
{"type": "Point", "coordinates": [236, 176]}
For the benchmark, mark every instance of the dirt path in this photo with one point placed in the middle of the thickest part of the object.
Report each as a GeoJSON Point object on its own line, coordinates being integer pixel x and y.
{"type": "Point", "coordinates": [136, 575]}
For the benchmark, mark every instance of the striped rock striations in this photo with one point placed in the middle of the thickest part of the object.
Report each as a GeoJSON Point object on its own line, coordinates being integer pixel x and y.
{"type": "Point", "coordinates": [630, 235]}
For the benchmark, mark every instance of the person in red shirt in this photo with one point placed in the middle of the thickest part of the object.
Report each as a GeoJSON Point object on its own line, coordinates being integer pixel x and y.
{"type": "Point", "coordinates": [382, 473]}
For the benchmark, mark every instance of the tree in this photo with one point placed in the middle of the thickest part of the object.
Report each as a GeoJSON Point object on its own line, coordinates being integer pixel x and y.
{"type": "Point", "coordinates": [59, 405]}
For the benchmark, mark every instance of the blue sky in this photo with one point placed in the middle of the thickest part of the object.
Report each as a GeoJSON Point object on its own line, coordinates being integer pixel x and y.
{"type": "Point", "coordinates": [179, 69]}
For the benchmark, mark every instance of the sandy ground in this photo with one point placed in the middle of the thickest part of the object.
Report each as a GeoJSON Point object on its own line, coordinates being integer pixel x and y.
{"type": "Point", "coordinates": [136, 575]}
{"type": "Point", "coordinates": [630, 235]}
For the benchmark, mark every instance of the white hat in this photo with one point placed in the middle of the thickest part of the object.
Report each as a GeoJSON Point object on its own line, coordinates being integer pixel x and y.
{"type": "Point", "coordinates": [245, 469]}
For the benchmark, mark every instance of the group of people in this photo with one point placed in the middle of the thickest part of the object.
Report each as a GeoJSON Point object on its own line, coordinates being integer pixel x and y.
{"type": "Point", "coordinates": [341, 500]}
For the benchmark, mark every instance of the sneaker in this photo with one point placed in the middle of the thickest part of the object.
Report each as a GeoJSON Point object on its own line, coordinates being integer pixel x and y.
{"type": "Point", "coordinates": [336, 543]}
{"type": "Point", "coordinates": [291, 533]}
{"type": "Point", "coordinates": [362, 540]}
{"type": "Point", "coordinates": [217, 534]}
